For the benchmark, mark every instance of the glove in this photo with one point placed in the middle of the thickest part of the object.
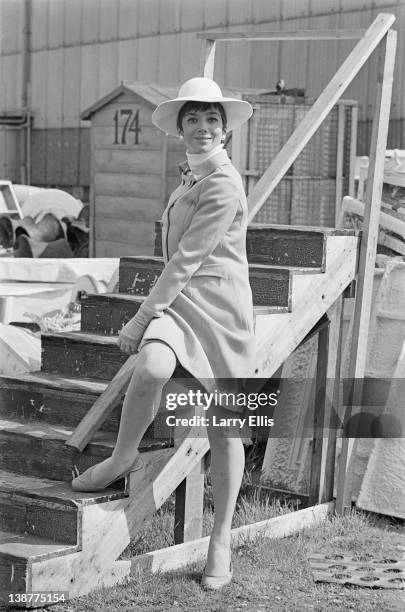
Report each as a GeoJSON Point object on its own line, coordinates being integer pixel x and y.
{"type": "Point", "coordinates": [130, 336]}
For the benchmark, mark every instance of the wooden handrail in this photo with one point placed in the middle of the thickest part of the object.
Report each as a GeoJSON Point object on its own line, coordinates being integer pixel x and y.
{"type": "Point", "coordinates": [318, 111]}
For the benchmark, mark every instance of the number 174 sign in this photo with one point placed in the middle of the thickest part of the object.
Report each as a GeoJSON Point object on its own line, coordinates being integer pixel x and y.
{"type": "Point", "coordinates": [126, 126]}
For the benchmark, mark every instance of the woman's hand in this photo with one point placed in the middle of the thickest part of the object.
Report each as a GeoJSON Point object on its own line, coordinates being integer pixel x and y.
{"type": "Point", "coordinates": [130, 336]}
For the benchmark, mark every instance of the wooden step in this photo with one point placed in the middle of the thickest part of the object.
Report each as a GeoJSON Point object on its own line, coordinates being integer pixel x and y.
{"type": "Point", "coordinates": [270, 286]}
{"type": "Point", "coordinates": [38, 449]}
{"type": "Point", "coordinates": [17, 553]}
{"type": "Point", "coordinates": [40, 396]}
{"type": "Point", "coordinates": [281, 245]}
{"type": "Point", "coordinates": [45, 508]}
{"type": "Point", "coordinates": [106, 313]}
{"type": "Point", "coordinates": [81, 355]}
{"type": "Point", "coordinates": [287, 245]}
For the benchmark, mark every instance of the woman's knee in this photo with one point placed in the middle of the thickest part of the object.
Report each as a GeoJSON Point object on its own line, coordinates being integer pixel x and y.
{"type": "Point", "coordinates": [155, 364]}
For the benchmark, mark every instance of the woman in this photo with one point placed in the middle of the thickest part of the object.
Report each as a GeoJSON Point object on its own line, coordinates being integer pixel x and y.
{"type": "Point", "coordinates": [200, 312]}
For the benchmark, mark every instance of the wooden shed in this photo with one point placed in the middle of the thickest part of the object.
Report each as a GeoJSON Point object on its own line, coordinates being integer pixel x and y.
{"type": "Point", "coordinates": [134, 167]}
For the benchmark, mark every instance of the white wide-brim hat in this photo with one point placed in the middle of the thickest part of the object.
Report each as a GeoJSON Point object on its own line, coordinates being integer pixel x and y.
{"type": "Point", "coordinates": [200, 89]}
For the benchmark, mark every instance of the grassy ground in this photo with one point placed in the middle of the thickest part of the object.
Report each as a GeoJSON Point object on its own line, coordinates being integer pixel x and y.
{"type": "Point", "coordinates": [268, 574]}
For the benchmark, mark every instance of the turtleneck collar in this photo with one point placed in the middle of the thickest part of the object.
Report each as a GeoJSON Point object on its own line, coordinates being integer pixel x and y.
{"type": "Point", "coordinates": [196, 159]}
{"type": "Point", "coordinates": [207, 163]}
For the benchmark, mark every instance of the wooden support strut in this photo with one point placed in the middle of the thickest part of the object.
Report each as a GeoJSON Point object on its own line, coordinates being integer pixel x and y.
{"type": "Point", "coordinates": [364, 289]}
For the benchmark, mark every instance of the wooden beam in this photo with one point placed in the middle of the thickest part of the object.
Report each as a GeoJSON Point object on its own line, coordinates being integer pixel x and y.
{"type": "Point", "coordinates": [180, 555]}
{"type": "Point", "coordinates": [188, 515]}
{"type": "Point", "coordinates": [318, 111]}
{"type": "Point", "coordinates": [333, 403]}
{"type": "Point", "coordinates": [276, 35]}
{"type": "Point", "coordinates": [391, 223]}
{"type": "Point", "coordinates": [339, 160]}
{"type": "Point", "coordinates": [103, 406]}
{"type": "Point", "coordinates": [368, 249]}
{"type": "Point", "coordinates": [319, 416]}
{"type": "Point", "coordinates": [353, 147]}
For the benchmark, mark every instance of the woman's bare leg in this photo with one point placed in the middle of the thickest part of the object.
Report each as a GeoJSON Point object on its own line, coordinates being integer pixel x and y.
{"type": "Point", "coordinates": [154, 367]}
{"type": "Point", "coordinates": [227, 465]}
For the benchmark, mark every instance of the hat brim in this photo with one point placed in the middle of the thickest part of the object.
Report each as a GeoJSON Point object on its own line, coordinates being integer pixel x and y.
{"type": "Point", "coordinates": [165, 115]}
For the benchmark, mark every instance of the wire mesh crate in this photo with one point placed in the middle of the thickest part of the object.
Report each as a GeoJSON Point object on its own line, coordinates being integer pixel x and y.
{"type": "Point", "coordinates": [311, 191]}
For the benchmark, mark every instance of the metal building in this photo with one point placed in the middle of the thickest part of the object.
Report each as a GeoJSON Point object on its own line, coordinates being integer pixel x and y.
{"type": "Point", "coordinates": [58, 57]}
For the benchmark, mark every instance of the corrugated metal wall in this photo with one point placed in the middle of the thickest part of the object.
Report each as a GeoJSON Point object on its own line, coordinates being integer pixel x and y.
{"type": "Point", "coordinates": [81, 49]}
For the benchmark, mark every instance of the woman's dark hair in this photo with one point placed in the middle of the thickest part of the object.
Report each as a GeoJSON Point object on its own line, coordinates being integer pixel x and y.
{"type": "Point", "coordinates": [200, 106]}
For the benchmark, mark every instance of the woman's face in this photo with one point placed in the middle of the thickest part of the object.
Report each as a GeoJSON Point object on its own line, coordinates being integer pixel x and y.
{"type": "Point", "coordinates": [202, 130]}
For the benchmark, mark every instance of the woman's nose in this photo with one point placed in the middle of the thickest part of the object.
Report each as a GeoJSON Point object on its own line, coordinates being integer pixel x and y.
{"type": "Point", "coordinates": [203, 126]}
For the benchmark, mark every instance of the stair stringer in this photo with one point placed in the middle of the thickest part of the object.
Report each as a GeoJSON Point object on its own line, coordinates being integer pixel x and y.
{"type": "Point", "coordinates": [312, 295]}
{"type": "Point", "coordinates": [107, 528]}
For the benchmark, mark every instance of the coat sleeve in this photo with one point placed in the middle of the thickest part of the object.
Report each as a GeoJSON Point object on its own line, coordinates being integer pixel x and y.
{"type": "Point", "coordinates": [216, 209]}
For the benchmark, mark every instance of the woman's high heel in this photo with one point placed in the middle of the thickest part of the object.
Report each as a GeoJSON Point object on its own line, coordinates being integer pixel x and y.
{"type": "Point", "coordinates": [215, 583]}
{"type": "Point", "coordinates": [84, 483]}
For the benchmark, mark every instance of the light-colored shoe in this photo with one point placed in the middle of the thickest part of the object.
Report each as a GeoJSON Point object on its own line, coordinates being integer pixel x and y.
{"type": "Point", "coordinates": [84, 483]}
{"type": "Point", "coordinates": [216, 583]}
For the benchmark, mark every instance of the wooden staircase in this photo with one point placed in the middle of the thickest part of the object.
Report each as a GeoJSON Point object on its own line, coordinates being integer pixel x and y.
{"type": "Point", "coordinates": [54, 539]}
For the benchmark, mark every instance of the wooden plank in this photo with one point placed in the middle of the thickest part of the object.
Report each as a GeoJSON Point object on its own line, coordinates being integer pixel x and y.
{"type": "Point", "coordinates": [393, 224]}
{"type": "Point", "coordinates": [188, 516]}
{"type": "Point", "coordinates": [353, 148]}
{"type": "Point", "coordinates": [333, 399]}
{"type": "Point", "coordinates": [128, 208]}
{"type": "Point", "coordinates": [139, 233]}
{"type": "Point", "coordinates": [318, 111]}
{"type": "Point", "coordinates": [127, 162]}
{"type": "Point", "coordinates": [339, 159]}
{"type": "Point", "coordinates": [392, 243]}
{"type": "Point", "coordinates": [38, 449]}
{"type": "Point", "coordinates": [364, 285]}
{"type": "Point", "coordinates": [91, 357]}
{"type": "Point", "coordinates": [180, 555]}
{"type": "Point", "coordinates": [108, 248]}
{"type": "Point", "coordinates": [285, 246]}
{"type": "Point", "coordinates": [103, 406]}
{"type": "Point", "coordinates": [344, 34]}
{"type": "Point", "coordinates": [141, 185]}
{"type": "Point", "coordinates": [25, 515]}
{"type": "Point", "coordinates": [319, 416]}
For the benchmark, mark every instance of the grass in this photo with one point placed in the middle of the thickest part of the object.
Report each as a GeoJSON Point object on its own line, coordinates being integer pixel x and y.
{"type": "Point", "coordinates": [269, 574]}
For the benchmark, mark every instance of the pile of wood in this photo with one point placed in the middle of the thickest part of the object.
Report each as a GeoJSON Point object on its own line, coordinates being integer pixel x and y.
{"type": "Point", "coordinates": [46, 235]}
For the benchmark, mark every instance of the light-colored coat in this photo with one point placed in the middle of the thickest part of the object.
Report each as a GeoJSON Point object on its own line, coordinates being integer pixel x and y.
{"type": "Point", "coordinates": [202, 302]}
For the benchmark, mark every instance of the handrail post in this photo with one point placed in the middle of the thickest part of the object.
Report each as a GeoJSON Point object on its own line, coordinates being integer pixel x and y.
{"type": "Point", "coordinates": [368, 249]}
